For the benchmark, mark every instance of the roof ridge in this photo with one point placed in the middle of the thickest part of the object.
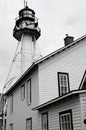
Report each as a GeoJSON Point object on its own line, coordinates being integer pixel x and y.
{"type": "Point", "coordinates": [60, 49]}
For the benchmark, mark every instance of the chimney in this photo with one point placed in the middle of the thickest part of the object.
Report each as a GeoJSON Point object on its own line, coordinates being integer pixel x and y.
{"type": "Point", "coordinates": [68, 40]}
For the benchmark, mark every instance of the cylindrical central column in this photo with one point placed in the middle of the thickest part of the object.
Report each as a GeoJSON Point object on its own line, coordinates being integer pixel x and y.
{"type": "Point", "coordinates": [26, 52]}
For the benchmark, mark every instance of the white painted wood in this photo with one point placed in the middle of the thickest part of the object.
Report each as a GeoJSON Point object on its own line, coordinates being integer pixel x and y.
{"type": "Point", "coordinates": [20, 109]}
{"type": "Point", "coordinates": [53, 113]}
{"type": "Point", "coordinates": [83, 109]}
{"type": "Point", "coordinates": [72, 60]}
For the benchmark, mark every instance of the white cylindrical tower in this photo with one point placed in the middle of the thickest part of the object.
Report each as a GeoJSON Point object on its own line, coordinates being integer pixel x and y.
{"type": "Point", "coordinates": [27, 32]}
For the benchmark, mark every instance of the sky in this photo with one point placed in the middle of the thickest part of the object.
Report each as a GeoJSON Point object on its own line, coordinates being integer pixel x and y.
{"type": "Point", "coordinates": [56, 19]}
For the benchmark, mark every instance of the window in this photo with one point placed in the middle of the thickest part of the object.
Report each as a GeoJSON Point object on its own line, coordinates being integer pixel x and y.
{"type": "Point", "coordinates": [28, 92]}
{"type": "Point", "coordinates": [23, 92]}
{"type": "Point", "coordinates": [66, 120]}
{"type": "Point", "coordinates": [29, 124]}
{"type": "Point", "coordinates": [11, 103]}
{"type": "Point", "coordinates": [1, 123]}
{"type": "Point", "coordinates": [11, 127]}
{"type": "Point", "coordinates": [45, 121]}
{"type": "Point", "coordinates": [5, 123]}
{"type": "Point", "coordinates": [63, 83]}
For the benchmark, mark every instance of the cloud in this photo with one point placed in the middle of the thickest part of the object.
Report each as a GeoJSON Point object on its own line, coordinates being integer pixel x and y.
{"type": "Point", "coordinates": [71, 21]}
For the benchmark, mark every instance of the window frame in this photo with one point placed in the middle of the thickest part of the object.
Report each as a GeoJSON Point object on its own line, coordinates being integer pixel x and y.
{"type": "Point", "coordinates": [10, 126]}
{"type": "Point", "coordinates": [42, 120]}
{"type": "Point", "coordinates": [30, 119]}
{"type": "Point", "coordinates": [68, 85]}
{"type": "Point", "coordinates": [28, 94]}
{"type": "Point", "coordinates": [65, 113]}
{"type": "Point", "coordinates": [11, 103]}
{"type": "Point", "coordinates": [1, 122]}
{"type": "Point", "coordinates": [22, 93]}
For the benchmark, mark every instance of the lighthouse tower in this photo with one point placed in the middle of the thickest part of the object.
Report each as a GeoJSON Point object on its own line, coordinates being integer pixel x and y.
{"type": "Point", "coordinates": [26, 31]}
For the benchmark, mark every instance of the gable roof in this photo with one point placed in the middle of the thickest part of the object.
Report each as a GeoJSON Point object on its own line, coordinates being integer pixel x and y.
{"type": "Point", "coordinates": [61, 49]}
{"type": "Point", "coordinates": [58, 99]}
{"type": "Point", "coordinates": [43, 59]}
{"type": "Point", "coordinates": [83, 82]}
{"type": "Point", "coordinates": [30, 70]}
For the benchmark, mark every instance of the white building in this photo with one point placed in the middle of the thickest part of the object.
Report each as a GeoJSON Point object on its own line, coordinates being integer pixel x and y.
{"type": "Point", "coordinates": [50, 94]}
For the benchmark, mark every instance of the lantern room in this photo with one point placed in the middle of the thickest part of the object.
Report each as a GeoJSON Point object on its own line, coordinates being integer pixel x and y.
{"type": "Point", "coordinates": [26, 23]}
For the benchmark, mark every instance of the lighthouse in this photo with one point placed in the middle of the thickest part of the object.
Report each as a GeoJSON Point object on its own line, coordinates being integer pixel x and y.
{"type": "Point", "coordinates": [27, 32]}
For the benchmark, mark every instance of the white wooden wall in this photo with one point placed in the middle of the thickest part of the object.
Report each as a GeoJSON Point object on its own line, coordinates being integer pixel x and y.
{"type": "Point", "coordinates": [83, 109]}
{"type": "Point", "coordinates": [53, 113]}
{"type": "Point", "coordinates": [71, 60]}
{"type": "Point", "coordinates": [20, 109]}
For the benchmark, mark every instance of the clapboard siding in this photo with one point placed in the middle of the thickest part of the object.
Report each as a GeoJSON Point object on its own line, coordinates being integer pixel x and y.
{"type": "Point", "coordinates": [72, 60]}
{"type": "Point", "coordinates": [53, 113]}
{"type": "Point", "coordinates": [20, 109]}
{"type": "Point", "coordinates": [83, 109]}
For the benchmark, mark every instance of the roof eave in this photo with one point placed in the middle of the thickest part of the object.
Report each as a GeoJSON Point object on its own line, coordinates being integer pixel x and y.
{"type": "Point", "coordinates": [74, 92]}
{"type": "Point", "coordinates": [61, 49]}
{"type": "Point", "coordinates": [33, 65]}
{"type": "Point", "coordinates": [83, 80]}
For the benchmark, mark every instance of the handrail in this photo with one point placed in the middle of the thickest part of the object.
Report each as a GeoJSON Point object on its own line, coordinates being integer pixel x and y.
{"type": "Point", "coordinates": [26, 15]}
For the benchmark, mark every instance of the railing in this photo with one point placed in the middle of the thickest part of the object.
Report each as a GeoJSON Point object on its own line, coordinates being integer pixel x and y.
{"type": "Point", "coordinates": [28, 27]}
{"type": "Point", "coordinates": [24, 15]}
